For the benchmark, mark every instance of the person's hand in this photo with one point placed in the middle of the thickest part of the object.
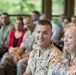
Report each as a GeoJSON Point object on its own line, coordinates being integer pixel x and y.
{"type": "Point", "coordinates": [11, 49]}
{"type": "Point", "coordinates": [16, 58]}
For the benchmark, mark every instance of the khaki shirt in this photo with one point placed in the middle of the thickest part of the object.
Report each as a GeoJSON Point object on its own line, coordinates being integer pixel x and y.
{"type": "Point", "coordinates": [40, 62]}
{"type": "Point", "coordinates": [28, 41]}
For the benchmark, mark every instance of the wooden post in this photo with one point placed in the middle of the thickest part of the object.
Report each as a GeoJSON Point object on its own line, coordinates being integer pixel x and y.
{"type": "Point", "coordinates": [47, 7]}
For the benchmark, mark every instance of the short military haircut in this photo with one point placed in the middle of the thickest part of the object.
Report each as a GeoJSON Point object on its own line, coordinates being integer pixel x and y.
{"type": "Point", "coordinates": [36, 12]}
{"type": "Point", "coordinates": [44, 22]}
{"type": "Point", "coordinates": [5, 14]}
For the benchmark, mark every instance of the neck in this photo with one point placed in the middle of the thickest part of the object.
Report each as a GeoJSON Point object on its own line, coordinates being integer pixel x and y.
{"type": "Point", "coordinates": [20, 30]}
{"type": "Point", "coordinates": [7, 23]}
{"type": "Point", "coordinates": [43, 48]}
{"type": "Point", "coordinates": [32, 28]}
{"type": "Point", "coordinates": [72, 55]}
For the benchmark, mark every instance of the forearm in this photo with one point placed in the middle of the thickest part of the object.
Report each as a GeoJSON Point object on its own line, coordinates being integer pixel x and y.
{"type": "Point", "coordinates": [28, 71]}
{"type": "Point", "coordinates": [16, 48]}
{"type": "Point", "coordinates": [20, 51]}
{"type": "Point", "coordinates": [28, 53]}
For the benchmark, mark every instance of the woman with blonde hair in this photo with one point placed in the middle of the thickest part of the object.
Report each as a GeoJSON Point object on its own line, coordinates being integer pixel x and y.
{"type": "Point", "coordinates": [67, 63]}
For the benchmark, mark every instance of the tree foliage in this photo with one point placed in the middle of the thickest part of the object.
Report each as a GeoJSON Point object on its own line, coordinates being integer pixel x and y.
{"type": "Point", "coordinates": [58, 7]}
{"type": "Point", "coordinates": [19, 6]}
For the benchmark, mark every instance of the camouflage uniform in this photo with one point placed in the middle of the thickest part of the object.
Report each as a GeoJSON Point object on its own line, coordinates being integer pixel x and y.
{"type": "Point", "coordinates": [40, 62]}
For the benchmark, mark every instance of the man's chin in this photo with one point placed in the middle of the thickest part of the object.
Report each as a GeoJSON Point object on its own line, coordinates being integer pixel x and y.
{"type": "Point", "coordinates": [40, 44]}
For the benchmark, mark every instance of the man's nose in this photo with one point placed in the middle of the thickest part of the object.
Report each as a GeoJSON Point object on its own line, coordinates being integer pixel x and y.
{"type": "Point", "coordinates": [41, 35]}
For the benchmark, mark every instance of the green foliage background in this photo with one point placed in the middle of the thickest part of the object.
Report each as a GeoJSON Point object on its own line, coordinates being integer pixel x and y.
{"type": "Point", "coordinates": [20, 6]}
{"type": "Point", "coordinates": [15, 7]}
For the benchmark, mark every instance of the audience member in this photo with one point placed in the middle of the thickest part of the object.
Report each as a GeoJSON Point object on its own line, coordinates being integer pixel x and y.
{"type": "Point", "coordinates": [16, 36]}
{"type": "Point", "coordinates": [62, 16]}
{"type": "Point", "coordinates": [4, 32]}
{"type": "Point", "coordinates": [25, 26]}
{"type": "Point", "coordinates": [73, 19]}
{"type": "Point", "coordinates": [66, 21]}
{"type": "Point", "coordinates": [35, 16]}
{"type": "Point", "coordinates": [60, 43]}
{"type": "Point", "coordinates": [67, 64]}
{"type": "Point", "coordinates": [45, 55]}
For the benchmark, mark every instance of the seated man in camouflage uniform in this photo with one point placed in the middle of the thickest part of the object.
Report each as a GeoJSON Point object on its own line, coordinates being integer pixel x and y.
{"type": "Point", "coordinates": [45, 54]}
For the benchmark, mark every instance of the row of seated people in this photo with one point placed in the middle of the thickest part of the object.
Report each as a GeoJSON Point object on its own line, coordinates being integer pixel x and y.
{"type": "Point", "coordinates": [14, 42]}
{"type": "Point", "coordinates": [14, 58]}
{"type": "Point", "coordinates": [19, 50]}
{"type": "Point", "coordinates": [46, 59]}
{"type": "Point", "coordinates": [11, 57]}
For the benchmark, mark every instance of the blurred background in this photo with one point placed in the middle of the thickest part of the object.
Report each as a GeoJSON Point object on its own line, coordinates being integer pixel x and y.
{"type": "Point", "coordinates": [54, 8]}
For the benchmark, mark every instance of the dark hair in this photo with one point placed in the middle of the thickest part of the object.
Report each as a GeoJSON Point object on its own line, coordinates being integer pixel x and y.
{"type": "Point", "coordinates": [5, 14]}
{"type": "Point", "coordinates": [36, 12]}
{"type": "Point", "coordinates": [20, 18]}
{"type": "Point", "coordinates": [44, 22]}
{"type": "Point", "coordinates": [69, 20]}
{"type": "Point", "coordinates": [7, 17]}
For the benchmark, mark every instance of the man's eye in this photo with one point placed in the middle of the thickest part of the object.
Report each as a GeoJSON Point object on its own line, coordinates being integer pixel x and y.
{"type": "Point", "coordinates": [45, 33]}
{"type": "Point", "coordinates": [38, 31]}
